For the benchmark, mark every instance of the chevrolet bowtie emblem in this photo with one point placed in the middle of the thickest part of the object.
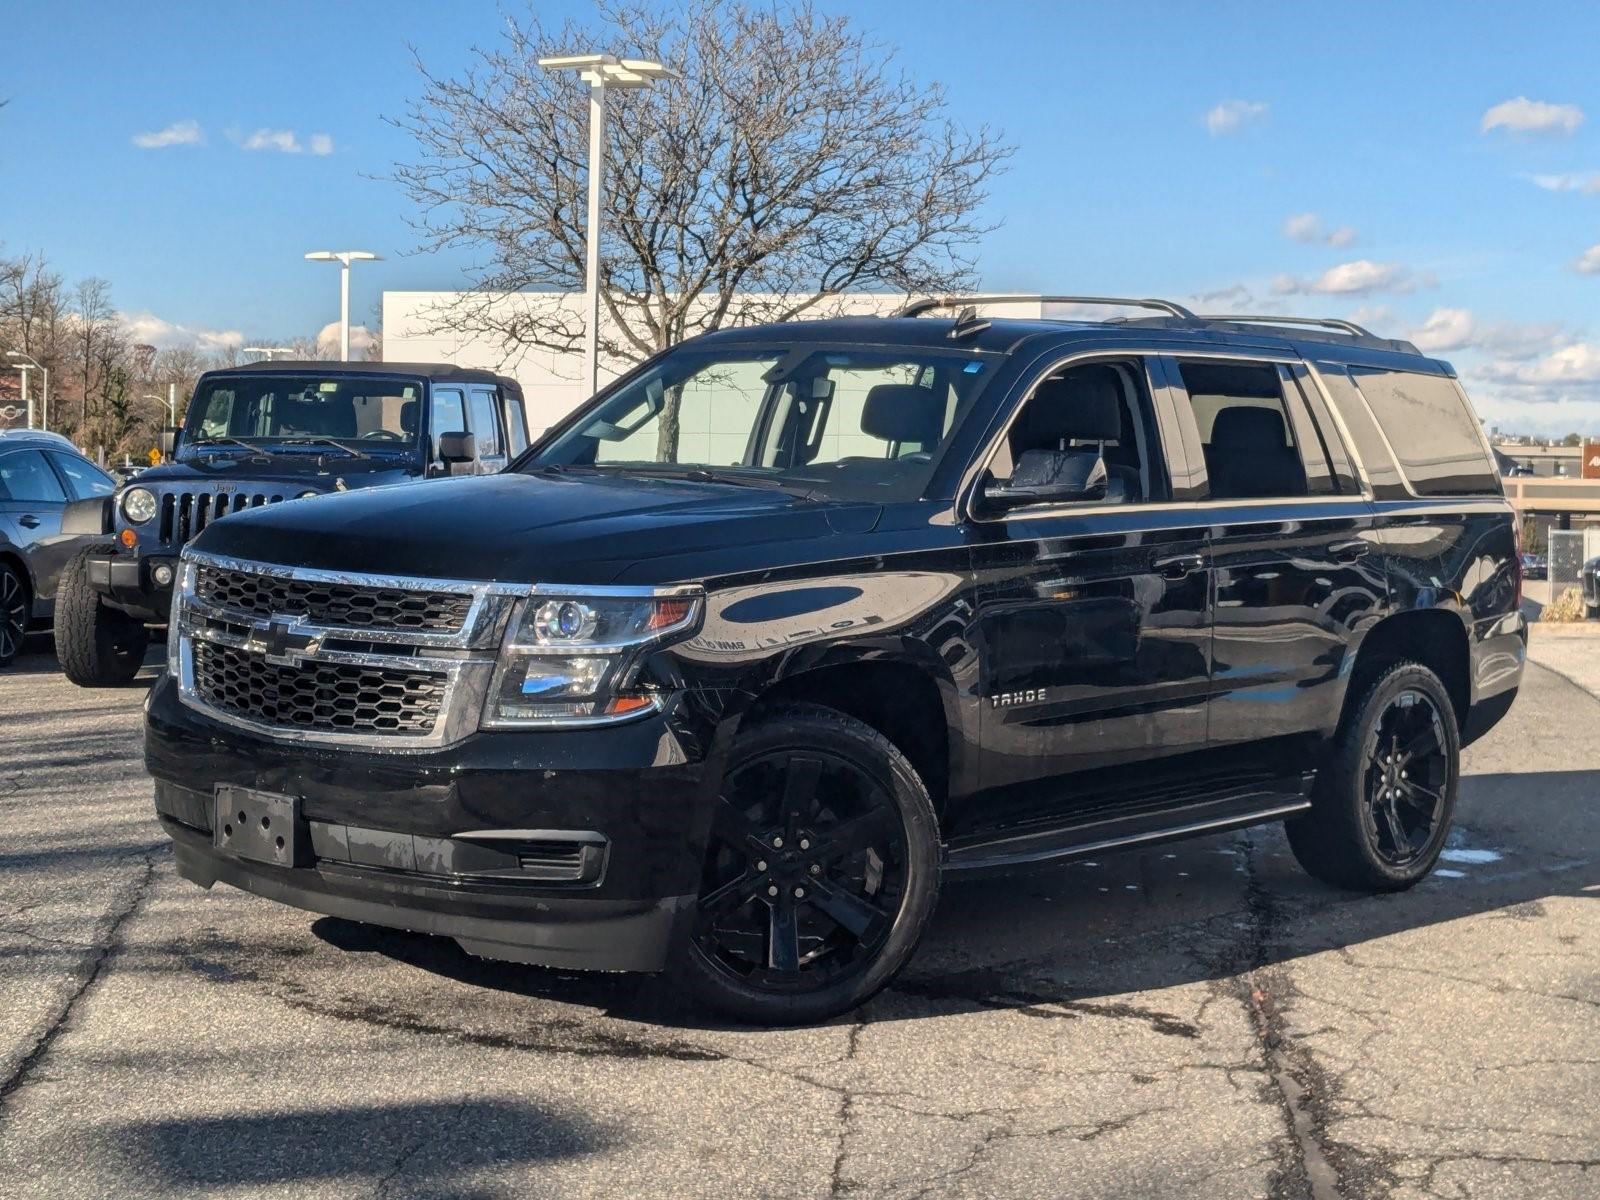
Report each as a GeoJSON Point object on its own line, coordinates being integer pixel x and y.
{"type": "Point", "coordinates": [280, 641]}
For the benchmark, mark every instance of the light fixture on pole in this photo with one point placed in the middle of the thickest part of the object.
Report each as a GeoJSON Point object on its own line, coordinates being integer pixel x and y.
{"type": "Point", "coordinates": [170, 404]}
{"type": "Point", "coordinates": [344, 258]}
{"type": "Point", "coordinates": [600, 71]}
{"type": "Point", "coordinates": [26, 363]}
{"type": "Point", "coordinates": [267, 353]}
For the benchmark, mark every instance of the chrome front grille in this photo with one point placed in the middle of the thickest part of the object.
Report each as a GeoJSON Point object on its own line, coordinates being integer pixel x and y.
{"type": "Point", "coordinates": [331, 697]}
{"type": "Point", "coordinates": [307, 655]}
{"type": "Point", "coordinates": [327, 603]}
{"type": "Point", "coordinates": [184, 514]}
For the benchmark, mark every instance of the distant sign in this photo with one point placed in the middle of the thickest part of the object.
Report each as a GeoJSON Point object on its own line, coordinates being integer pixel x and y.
{"type": "Point", "coordinates": [1591, 460]}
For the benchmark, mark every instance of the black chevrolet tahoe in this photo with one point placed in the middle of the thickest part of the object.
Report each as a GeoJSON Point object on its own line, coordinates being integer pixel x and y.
{"type": "Point", "coordinates": [735, 664]}
{"type": "Point", "coordinates": [257, 435]}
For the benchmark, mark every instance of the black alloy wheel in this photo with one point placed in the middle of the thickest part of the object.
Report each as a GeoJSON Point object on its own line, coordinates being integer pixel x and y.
{"type": "Point", "coordinates": [1386, 790]}
{"type": "Point", "coordinates": [13, 612]}
{"type": "Point", "coordinates": [1407, 773]}
{"type": "Point", "coordinates": [820, 872]}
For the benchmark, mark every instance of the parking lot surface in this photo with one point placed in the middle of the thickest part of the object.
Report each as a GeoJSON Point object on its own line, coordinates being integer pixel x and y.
{"type": "Point", "coordinates": [1199, 1020]}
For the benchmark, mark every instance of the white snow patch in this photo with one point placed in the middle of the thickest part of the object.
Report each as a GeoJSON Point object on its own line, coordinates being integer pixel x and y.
{"type": "Point", "coordinates": [1475, 857]}
{"type": "Point", "coordinates": [1447, 873]}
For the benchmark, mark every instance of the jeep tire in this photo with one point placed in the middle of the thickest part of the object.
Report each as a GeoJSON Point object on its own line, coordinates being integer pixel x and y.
{"type": "Point", "coordinates": [97, 645]}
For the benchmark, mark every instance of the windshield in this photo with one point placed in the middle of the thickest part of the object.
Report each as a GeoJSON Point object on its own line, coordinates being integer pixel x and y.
{"type": "Point", "coordinates": [364, 410]}
{"type": "Point", "coordinates": [843, 424]}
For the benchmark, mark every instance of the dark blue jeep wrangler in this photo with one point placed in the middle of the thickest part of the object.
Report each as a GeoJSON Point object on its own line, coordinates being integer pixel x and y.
{"type": "Point", "coordinates": [258, 435]}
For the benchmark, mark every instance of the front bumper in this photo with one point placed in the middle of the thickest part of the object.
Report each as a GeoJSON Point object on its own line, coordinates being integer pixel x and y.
{"type": "Point", "coordinates": [383, 842]}
{"type": "Point", "coordinates": [128, 582]}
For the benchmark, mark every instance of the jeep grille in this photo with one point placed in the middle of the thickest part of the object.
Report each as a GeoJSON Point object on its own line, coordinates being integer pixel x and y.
{"type": "Point", "coordinates": [184, 514]}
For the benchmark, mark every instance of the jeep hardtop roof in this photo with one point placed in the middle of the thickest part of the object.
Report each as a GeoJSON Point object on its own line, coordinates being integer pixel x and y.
{"type": "Point", "coordinates": [447, 372]}
{"type": "Point", "coordinates": [1326, 340]}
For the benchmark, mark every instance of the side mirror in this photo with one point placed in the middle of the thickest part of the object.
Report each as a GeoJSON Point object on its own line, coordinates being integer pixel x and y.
{"type": "Point", "coordinates": [457, 448]}
{"type": "Point", "coordinates": [168, 441]}
{"type": "Point", "coordinates": [1049, 477]}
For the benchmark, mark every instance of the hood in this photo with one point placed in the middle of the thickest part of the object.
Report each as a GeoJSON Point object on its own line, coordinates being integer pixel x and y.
{"type": "Point", "coordinates": [300, 470]}
{"type": "Point", "coordinates": [522, 528]}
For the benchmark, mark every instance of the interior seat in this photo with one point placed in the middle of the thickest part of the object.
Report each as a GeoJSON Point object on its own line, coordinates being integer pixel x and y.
{"type": "Point", "coordinates": [904, 414]}
{"type": "Point", "coordinates": [1084, 405]}
{"type": "Point", "coordinates": [1249, 455]}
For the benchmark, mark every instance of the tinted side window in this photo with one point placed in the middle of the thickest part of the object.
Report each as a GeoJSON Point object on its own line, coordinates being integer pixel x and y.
{"type": "Point", "coordinates": [1434, 433]}
{"type": "Point", "coordinates": [484, 426]}
{"type": "Point", "coordinates": [1248, 433]}
{"type": "Point", "coordinates": [24, 475]}
{"type": "Point", "coordinates": [84, 479]}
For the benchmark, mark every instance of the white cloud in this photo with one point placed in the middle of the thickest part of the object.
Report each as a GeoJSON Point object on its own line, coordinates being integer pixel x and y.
{"type": "Point", "coordinates": [361, 339]}
{"type": "Point", "coordinates": [1359, 278]}
{"type": "Point", "coordinates": [285, 141]}
{"type": "Point", "coordinates": [1587, 182]}
{"type": "Point", "coordinates": [165, 335]}
{"type": "Point", "coordinates": [1307, 228]}
{"type": "Point", "coordinates": [1532, 116]}
{"type": "Point", "coordinates": [1231, 115]}
{"type": "Point", "coordinates": [1578, 363]}
{"type": "Point", "coordinates": [1589, 261]}
{"type": "Point", "coordinates": [179, 133]}
{"type": "Point", "coordinates": [1458, 329]}
{"type": "Point", "coordinates": [1445, 329]}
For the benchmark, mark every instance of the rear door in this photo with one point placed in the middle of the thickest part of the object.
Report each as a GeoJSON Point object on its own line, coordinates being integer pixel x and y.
{"type": "Point", "coordinates": [484, 421]}
{"type": "Point", "coordinates": [1291, 540]}
{"type": "Point", "coordinates": [32, 498]}
{"type": "Point", "coordinates": [1093, 629]}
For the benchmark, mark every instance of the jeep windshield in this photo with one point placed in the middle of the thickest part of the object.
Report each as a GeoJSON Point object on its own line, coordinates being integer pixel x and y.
{"type": "Point", "coordinates": [315, 412]}
{"type": "Point", "coordinates": [860, 424]}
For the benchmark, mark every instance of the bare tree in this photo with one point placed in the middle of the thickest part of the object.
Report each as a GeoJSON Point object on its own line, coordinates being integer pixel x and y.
{"type": "Point", "coordinates": [94, 325]}
{"type": "Point", "coordinates": [792, 162]}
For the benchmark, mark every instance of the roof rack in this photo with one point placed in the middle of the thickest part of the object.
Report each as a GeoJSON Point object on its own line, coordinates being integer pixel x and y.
{"type": "Point", "coordinates": [1349, 327]}
{"type": "Point", "coordinates": [929, 303]}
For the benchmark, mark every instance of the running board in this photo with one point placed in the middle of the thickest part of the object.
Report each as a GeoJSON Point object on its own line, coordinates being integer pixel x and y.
{"type": "Point", "coordinates": [1133, 824]}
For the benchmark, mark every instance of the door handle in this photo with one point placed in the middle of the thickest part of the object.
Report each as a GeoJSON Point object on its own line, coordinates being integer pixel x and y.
{"type": "Point", "coordinates": [1350, 551]}
{"type": "Point", "coordinates": [1179, 565]}
{"type": "Point", "coordinates": [31, 521]}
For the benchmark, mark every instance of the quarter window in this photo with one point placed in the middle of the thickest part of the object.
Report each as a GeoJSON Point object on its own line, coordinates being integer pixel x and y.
{"type": "Point", "coordinates": [1434, 433]}
{"type": "Point", "coordinates": [1248, 433]}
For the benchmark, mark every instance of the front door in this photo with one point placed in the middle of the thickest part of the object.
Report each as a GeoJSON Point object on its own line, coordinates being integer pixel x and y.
{"type": "Point", "coordinates": [1093, 630]}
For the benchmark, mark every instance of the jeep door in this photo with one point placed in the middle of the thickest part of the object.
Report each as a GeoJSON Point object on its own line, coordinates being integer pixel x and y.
{"type": "Point", "coordinates": [1093, 630]}
{"type": "Point", "coordinates": [1291, 535]}
{"type": "Point", "coordinates": [483, 408]}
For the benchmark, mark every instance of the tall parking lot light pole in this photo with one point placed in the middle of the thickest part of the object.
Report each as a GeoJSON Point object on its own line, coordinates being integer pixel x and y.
{"type": "Point", "coordinates": [26, 363]}
{"type": "Point", "coordinates": [600, 71]}
{"type": "Point", "coordinates": [344, 258]}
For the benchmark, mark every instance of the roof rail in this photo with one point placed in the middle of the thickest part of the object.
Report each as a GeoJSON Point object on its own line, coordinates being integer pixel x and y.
{"type": "Point", "coordinates": [928, 303]}
{"type": "Point", "coordinates": [1320, 322]}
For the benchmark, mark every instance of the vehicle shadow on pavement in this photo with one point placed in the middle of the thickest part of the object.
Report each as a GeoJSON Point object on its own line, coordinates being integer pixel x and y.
{"type": "Point", "coordinates": [1166, 917]}
{"type": "Point", "coordinates": [360, 1141]}
{"type": "Point", "coordinates": [38, 657]}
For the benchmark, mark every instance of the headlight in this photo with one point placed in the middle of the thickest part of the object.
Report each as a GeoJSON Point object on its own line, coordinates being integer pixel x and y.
{"type": "Point", "coordinates": [138, 505]}
{"type": "Point", "coordinates": [574, 658]}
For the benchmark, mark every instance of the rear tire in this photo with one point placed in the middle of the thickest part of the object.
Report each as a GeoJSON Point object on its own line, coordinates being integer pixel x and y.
{"type": "Point", "coordinates": [16, 606]}
{"type": "Point", "coordinates": [1385, 796]}
{"type": "Point", "coordinates": [97, 645]}
{"type": "Point", "coordinates": [821, 871]}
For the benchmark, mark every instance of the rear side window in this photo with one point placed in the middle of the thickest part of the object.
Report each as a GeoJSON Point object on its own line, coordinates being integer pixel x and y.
{"type": "Point", "coordinates": [484, 426]}
{"type": "Point", "coordinates": [84, 479]}
{"type": "Point", "coordinates": [1255, 447]}
{"type": "Point", "coordinates": [1434, 433]}
{"type": "Point", "coordinates": [516, 422]}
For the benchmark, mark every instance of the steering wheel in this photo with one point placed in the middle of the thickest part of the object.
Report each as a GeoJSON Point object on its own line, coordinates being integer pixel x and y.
{"type": "Point", "coordinates": [382, 435]}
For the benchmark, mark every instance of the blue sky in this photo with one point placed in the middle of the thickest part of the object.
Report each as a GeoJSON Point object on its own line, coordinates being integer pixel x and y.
{"type": "Point", "coordinates": [1442, 152]}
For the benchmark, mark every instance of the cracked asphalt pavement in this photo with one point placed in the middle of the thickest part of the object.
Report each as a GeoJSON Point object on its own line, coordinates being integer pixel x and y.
{"type": "Point", "coordinates": [1198, 1020]}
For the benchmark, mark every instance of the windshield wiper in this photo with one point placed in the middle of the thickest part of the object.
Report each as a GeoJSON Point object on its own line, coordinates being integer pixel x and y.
{"type": "Point", "coordinates": [227, 441]}
{"type": "Point", "coordinates": [323, 441]}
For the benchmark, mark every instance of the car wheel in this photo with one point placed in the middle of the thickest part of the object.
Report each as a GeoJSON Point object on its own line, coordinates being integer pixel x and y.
{"type": "Point", "coordinates": [97, 645]}
{"type": "Point", "coordinates": [821, 871]}
{"type": "Point", "coordinates": [15, 608]}
{"type": "Point", "coordinates": [1383, 802]}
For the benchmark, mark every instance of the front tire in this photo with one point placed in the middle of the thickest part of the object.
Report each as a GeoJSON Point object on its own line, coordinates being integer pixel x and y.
{"type": "Point", "coordinates": [97, 645]}
{"type": "Point", "coordinates": [1384, 799]}
{"type": "Point", "coordinates": [821, 872]}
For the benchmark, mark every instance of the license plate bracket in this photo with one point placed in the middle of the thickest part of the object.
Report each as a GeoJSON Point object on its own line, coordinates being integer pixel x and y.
{"type": "Point", "coordinates": [263, 827]}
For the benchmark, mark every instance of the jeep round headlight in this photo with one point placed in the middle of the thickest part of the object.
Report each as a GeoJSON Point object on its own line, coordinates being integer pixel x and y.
{"type": "Point", "coordinates": [138, 505]}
